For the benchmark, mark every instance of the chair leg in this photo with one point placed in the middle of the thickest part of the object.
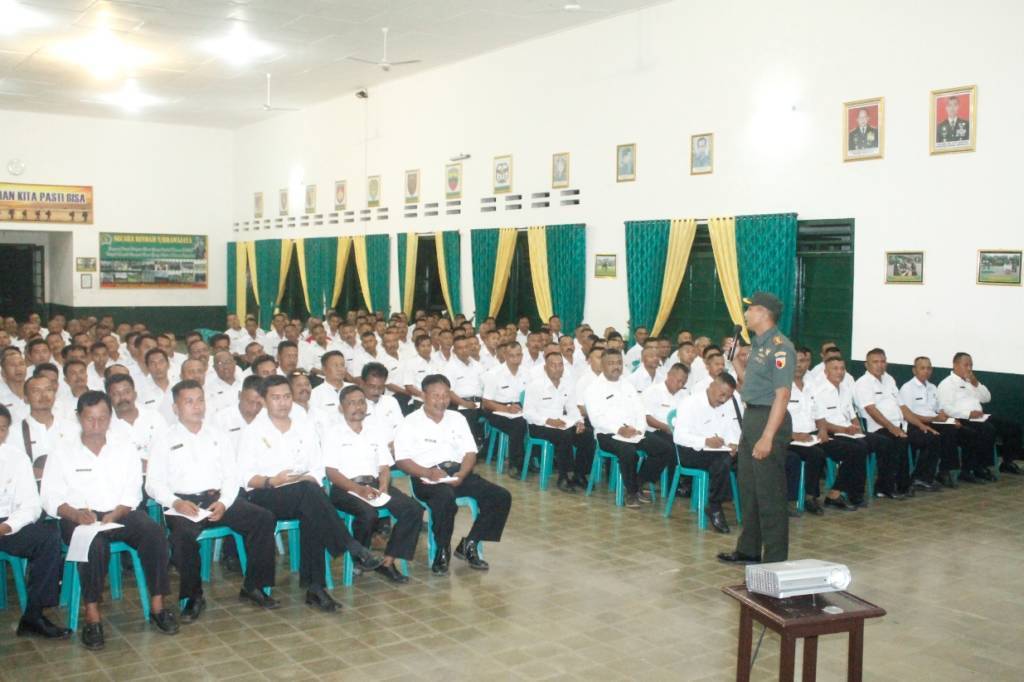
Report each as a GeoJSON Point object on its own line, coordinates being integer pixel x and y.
{"type": "Point", "coordinates": [74, 594]}
{"type": "Point", "coordinates": [140, 579]}
{"type": "Point", "coordinates": [526, 461]}
{"type": "Point", "coordinates": [595, 473]}
{"type": "Point", "coordinates": [800, 490]}
{"type": "Point", "coordinates": [736, 498]}
{"type": "Point", "coordinates": [670, 496]}
{"type": "Point", "coordinates": [293, 550]}
{"type": "Point", "coordinates": [3, 584]}
{"type": "Point", "coordinates": [243, 558]}
{"type": "Point", "coordinates": [699, 490]}
{"type": "Point", "coordinates": [205, 559]}
{"type": "Point", "coordinates": [114, 573]}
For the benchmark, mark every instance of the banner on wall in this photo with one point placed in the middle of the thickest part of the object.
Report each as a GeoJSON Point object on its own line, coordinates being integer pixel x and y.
{"type": "Point", "coordinates": [25, 203]}
{"type": "Point", "coordinates": [152, 261]}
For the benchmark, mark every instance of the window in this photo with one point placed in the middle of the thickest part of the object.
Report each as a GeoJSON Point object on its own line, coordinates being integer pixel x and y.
{"type": "Point", "coordinates": [824, 284]}
{"type": "Point", "coordinates": [519, 296]}
{"type": "Point", "coordinates": [351, 297]}
{"type": "Point", "coordinates": [293, 301]}
{"type": "Point", "coordinates": [700, 305]}
{"type": "Point", "coordinates": [428, 295]}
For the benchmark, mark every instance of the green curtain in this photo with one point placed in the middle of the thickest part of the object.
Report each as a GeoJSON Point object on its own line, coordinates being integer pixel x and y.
{"type": "Point", "coordinates": [402, 238]}
{"type": "Point", "coordinates": [232, 278]}
{"type": "Point", "coordinates": [646, 246]}
{"type": "Point", "coordinates": [567, 272]}
{"type": "Point", "coordinates": [766, 251]}
{"type": "Point", "coordinates": [453, 267]}
{"type": "Point", "coordinates": [268, 277]}
{"type": "Point", "coordinates": [378, 266]}
{"type": "Point", "coordinates": [321, 263]}
{"type": "Point", "coordinates": [484, 244]}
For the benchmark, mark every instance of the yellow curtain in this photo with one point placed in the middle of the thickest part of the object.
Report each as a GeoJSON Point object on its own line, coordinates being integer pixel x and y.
{"type": "Point", "coordinates": [287, 248]}
{"type": "Point", "coordinates": [359, 244]}
{"type": "Point", "coordinates": [250, 250]}
{"type": "Point", "coordinates": [680, 239]}
{"type": "Point", "coordinates": [502, 267]}
{"type": "Point", "coordinates": [723, 244]}
{"type": "Point", "coordinates": [442, 272]}
{"type": "Point", "coordinates": [344, 243]}
{"type": "Point", "coordinates": [537, 240]}
{"type": "Point", "coordinates": [240, 280]}
{"type": "Point", "coordinates": [300, 254]}
{"type": "Point", "coordinates": [412, 241]}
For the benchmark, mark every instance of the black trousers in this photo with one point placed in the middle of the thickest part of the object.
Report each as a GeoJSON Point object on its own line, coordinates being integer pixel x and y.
{"type": "Point", "coordinates": [813, 458]}
{"type": "Point", "coordinates": [564, 441]}
{"type": "Point", "coordinates": [141, 533]}
{"type": "Point", "coordinates": [256, 526]}
{"type": "Point", "coordinates": [852, 457]}
{"type": "Point", "coordinates": [516, 430]}
{"type": "Point", "coordinates": [717, 464]}
{"type": "Point", "coordinates": [659, 454]}
{"type": "Point", "coordinates": [1009, 433]}
{"type": "Point", "coordinates": [891, 456]}
{"type": "Point", "coordinates": [320, 528]}
{"type": "Point", "coordinates": [977, 439]}
{"type": "Point", "coordinates": [40, 544]}
{"type": "Point", "coordinates": [494, 502]}
{"type": "Point", "coordinates": [930, 449]}
{"type": "Point", "coordinates": [949, 439]}
{"type": "Point", "coordinates": [405, 531]}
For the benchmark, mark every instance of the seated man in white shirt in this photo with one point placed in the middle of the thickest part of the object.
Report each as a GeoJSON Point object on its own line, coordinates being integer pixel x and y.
{"type": "Point", "coordinates": [41, 433]}
{"type": "Point", "coordinates": [649, 372]}
{"type": "Point", "coordinates": [920, 396]}
{"type": "Point", "coordinates": [192, 468]}
{"type": "Point", "coordinates": [97, 363]}
{"type": "Point", "coordinates": [803, 447]}
{"type": "Point", "coordinates": [707, 432]}
{"type": "Point", "coordinates": [533, 351]}
{"type": "Point", "coordinates": [503, 389]}
{"type": "Point", "coordinates": [358, 464]}
{"type": "Point", "coordinates": [840, 434]}
{"type": "Point", "coordinates": [662, 398]}
{"type": "Point", "coordinates": [632, 356]}
{"type": "Point", "coordinates": [100, 479]}
{"type": "Point", "coordinates": [143, 426]}
{"type": "Point", "coordinates": [381, 407]}
{"type": "Point", "coordinates": [435, 447]}
{"type": "Point", "coordinates": [415, 369]}
{"type": "Point", "coordinates": [551, 411]}
{"type": "Point", "coordinates": [466, 378]}
{"type": "Point", "coordinates": [324, 398]}
{"type": "Point", "coordinates": [22, 534]}
{"type": "Point", "coordinates": [223, 387]}
{"type": "Point", "coordinates": [12, 390]}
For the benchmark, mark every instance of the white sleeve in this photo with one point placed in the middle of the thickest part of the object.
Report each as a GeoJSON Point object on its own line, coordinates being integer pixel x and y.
{"type": "Point", "coordinates": [983, 393]}
{"type": "Point", "coordinates": [946, 394]}
{"type": "Point", "coordinates": [685, 432]}
{"type": "Point", "coordinates": [532, 404]}
{"type": "Point", "coordinates": [54, 487]}
{"type": "Point", "coordinates": [157, 474]}
{"type": "Point", "coordinates": [863, 395]}
{"type": "Point", "coordinates": [27, 505]}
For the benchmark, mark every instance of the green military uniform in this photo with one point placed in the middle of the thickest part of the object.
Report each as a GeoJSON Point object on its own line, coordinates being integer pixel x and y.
{"type": "Point", "coordinates": [861, 140]}
{"type": "Point", "coordinates": [762, 483]}
{"type": "Point", "coordinates": [953, 131]}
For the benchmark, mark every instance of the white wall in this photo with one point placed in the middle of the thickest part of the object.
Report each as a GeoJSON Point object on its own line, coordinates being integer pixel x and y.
{"type": "Point", "coordinates": [769, 80]}
{"type": "Point", "coordinates": [146, 177]}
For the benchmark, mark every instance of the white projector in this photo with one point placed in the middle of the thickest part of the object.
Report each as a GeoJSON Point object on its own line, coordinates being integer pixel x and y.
{"type": "Point", "coordinates": [795, 578]}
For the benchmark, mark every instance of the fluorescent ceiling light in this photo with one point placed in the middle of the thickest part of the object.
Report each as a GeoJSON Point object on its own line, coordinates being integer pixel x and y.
{"type": "Point", "coordinates": [238, 47]}
{"type": "Point", "coordinates": [104, 55]}
{"type": "Point", "coordinates": [14, 18]}
{"type": "Point", "coordinates": [130, 98]}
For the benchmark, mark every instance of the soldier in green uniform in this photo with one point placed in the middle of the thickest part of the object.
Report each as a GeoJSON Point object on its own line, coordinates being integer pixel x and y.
{"type": "Point", "coordinates": [954, 129]}
{"type": "Point", "coordinates": [767, 430]}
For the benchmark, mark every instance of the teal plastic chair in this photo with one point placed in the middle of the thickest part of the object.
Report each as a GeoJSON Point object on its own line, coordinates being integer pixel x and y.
{"type": "Point", "coordinates": [614, 475]}
{"type": "Point", "coordinates": [699, 486]}
{"type": "Point", "coordinates": [831, 467]}
{"type": "Point", "coordinates": [800, 491]}
{"type": "Point", "coordinates": [546, 459]}
{"type": "Point", "coordinates": [210, 541]}
{"type": "Point", "coordinates": [291, 527]}
{"type": "Point", "coordinates": [467, 502]}
{"type": "Point", "coordinates": [18, 567]}
{"type": "Point", "coordinates": [500, 438]}
{"type": "Point", "coordinates": [73, 584]}
{"type": "Point", "coordinates": [348, 565]}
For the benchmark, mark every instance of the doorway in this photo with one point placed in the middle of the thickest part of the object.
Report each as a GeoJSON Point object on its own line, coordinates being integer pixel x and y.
{"type": "Point", "coordinates": [21, 287]}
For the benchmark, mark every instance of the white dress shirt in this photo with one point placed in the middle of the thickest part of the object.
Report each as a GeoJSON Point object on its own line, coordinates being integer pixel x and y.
{"type": "Point", "coordinates": [921, 398]}
{"type": "Point", "coordinates": [94, 378]}
{"type": "Point", "coordinates": [19, 497]}
{"type": "Point", "coordinates": [150, 396]}
{"type": "Point", "coordinates": [428, 443]}
{"type": "Point", "coordinates": [394, 367]}
{"type": "Point", "coordinates": [61, 434]}
{"type": "Point", "coordinates": [529, 362]}
{"type": "Point", "coordinates": [231, 423]}
{"type": "Point", "coordinates": [633, 355]}
{"type": "Point", "coordinates": [582, 383]}
{"type": "Point", "coordinates": [83, 480]}
{"type": "Point", "coordinates": [614, 404]}
{"type": "Point", "coordinates": [546, 401]}
{"type": "Point", "coordinates": [801, 409]}
{"type": "Point", "coordinates": [659, 402]}
{"type": "Point", "coordinates": [697, 420]}
{"type": "Point", "coordinates": [642, 380]}
{"type": "Point", "coordinates": [263, 450]}
{"type": "Point", "coordinates": [242, 338]}
{"type": "Point", "coordinates": [958, 397]}
{"type": "Point", "coordinates": [465, 377]}
{"type": "Point", "coordinates": [220, 394]}
{"type": "Point", "coordinates": [834, 405]}
{"type": "Point", "coordinates": [149, 426]}
{"type": "Point", "coordinates": [502, 386]}
{"type": "Point", "coordinates": [189, 463]}
{"type": "Point", "coordinates": [387, 413]}
{"type": "Point", "coordinates": [356, 454]}
{"type": "Point", "coordinates": [415, 370]}
{"type": "Point", "coordinates": [883, 394]}
{"type": "Point", "coordinates": [16, 406]}
{"type": "Point", "coordinates": [324, 398]}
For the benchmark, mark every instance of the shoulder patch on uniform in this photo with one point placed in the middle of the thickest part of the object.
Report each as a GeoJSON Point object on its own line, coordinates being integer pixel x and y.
{"type": "Point", "coordinates": [777, 339]}
{"type": "Point", "coordinates": [780, 362]}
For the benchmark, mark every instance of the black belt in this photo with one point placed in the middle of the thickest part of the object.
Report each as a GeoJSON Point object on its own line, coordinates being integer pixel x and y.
{"type": "Point", "coordinates": [759, 407]}
{"type": "Point", "coordinates": [474, 398]}
{"type": "Point", "coordinates": [450, 468]}
{"type": "Point", "coordinates": [372, 481]}
{"type": "Point", "coordinates": [203, 499]}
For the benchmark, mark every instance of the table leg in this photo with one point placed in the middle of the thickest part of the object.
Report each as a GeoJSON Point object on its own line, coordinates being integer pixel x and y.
{"type": "Point", "coordinates": [745, 642]}
{"type": "Point", "coordinates": [787, 659]}
{"type": "Point", "coordinates": [855, 657]}
{"type": "Point", "coordinates": [810, 659]}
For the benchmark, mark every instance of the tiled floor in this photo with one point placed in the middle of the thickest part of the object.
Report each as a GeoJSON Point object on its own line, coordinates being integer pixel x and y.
{"type": "Point", "coordinates": [581, 589]}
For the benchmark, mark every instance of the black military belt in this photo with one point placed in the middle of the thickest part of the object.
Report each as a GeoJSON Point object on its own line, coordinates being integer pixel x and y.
{"type": "Point", "coordinates": [450, 468]}
{"type": "Point", "coordinates": [474, 398]}
{"type": "Point", "coordinates": [203, 499]}
{"type": "Point", "coordinates": [366, 480]}
{"type": "Point", "coordinates": [759, 407]}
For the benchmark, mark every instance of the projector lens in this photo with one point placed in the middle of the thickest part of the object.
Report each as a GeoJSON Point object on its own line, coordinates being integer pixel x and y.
{"type": "Point", "coordinates": [839, 578]}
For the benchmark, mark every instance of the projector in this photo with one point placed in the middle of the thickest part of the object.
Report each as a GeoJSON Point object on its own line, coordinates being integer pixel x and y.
{"type": "Point", "coordinates": [795, 578]}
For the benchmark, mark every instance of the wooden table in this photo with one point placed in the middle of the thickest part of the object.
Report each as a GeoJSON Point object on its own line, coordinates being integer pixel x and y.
{"type": "Point", "coordinates": [804, 617]}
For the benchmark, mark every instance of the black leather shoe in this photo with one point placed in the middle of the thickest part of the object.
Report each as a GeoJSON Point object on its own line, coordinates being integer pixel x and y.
{"type": "Point", "coordinates": [440, 566]}
{"type": "Point", "coordinates": [812, 506]}
{"type": "Point", "coordinates": [632, 501]}
{"type": "Point", "coordinates": [718, 521]}
{"type": "Point", "coordinates": [565, 485]}
{"type": "Point", "coordinates": [318, 598]}
{"type": "Point", "coordinates": [194, 607]}
{"type": "Point", "coordinates": [643, 496]}
{"type": "Point", "coordinates": [946, 479]}
{"type": "Point", "coordinates": [892, 495]}
{"type": "Point", "coordinates": [92, 636]}
{"type": "Point", "coordinates": [1011, 468]}
{"type": "Point", "coordinates": [984, 474]}
{"type": "Point", "coordinates": [392, 573]}
{"type": "Point", "coordinates": [968, 477]}
{"type": "Point", "coordinates": [514, 471]}
{"type": "Point", "coordinates": [369, 560]}
{"type": "Point", "coordinates": [580, 482]}
{"type": "Point", "coordinates": [737, 558]}
{"type": "Point", "coordinates": [42, 627]}
{"type": "Point", "coordinates": [231, 564]}
{"type": "Point", "coordinates": [859, 502]}
{"type": "Point", "coordinates": [467, 550]}
{"type": "Point", "coordinates": [259, 598]}
{"type": "Point", "coordinates": [839, 503]}
{"type": "Point", "coordinates": [925, 486]}
{"type": "Point", "coordinates": [165, 622]}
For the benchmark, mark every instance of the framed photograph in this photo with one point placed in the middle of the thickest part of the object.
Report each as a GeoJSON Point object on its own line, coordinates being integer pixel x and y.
{"type": "Point", "coordinates": [86, 281]}
{"type": "Point", "coordinates": [373, 191]}
{"type": "Point", "coordinates": [904, 267]}
{"type": "Point", "coordinates": [83, 264]}
{"type": "Point", "coordinates": [560, 170]}
{"type": "Point", "coordinates": [999, 267]}
{"type": "Point", "coordinates": [604, 265]}
{"type": "Point", "coordinates": [625, 162]}
{"type": "Point", "coordinates": [702, 154]}
{"type": "Point", "coordinates": [412, 187]}
{"type": "Point", "coordinates": [864, 129]}
{"type": "Point", "coordinates": [502, 174]}
{"type": "Point", "coordinates": [954, 119]}
{"type": "Point", "coordinates": [453, 181]}
{"type": "Point", "coordinates": [257, 205]}
{"type": "Point", "coordinates": [282, 201]}
{"type": "Point", "coordinates": [310, 198]}
{"type": "Point", "coordinates": [340, 195]}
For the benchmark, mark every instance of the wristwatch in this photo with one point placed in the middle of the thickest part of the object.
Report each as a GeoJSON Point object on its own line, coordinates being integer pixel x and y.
{"type": "Point", "coordinates": [266, 483]}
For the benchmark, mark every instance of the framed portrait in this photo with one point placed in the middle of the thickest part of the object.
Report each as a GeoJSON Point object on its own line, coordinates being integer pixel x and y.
{"type": "Point", "coordinates": [999, 267]}
{"type": "Point", "coordinates": [340, 195]}
{"type": "Point", "coordinates": [954, 119]}
{"type": "Point", "coordinates": [310, 198]}
{"type": "Point", "coordinates": [453, 181]}
{"type": "Point", "coordinates": [560, 170]}
{"type": "Point", "coordinates": [412, 187]}
{"type": "Point", "coordinates": [373, 191]}
{"type": "Point", "coordinates": [282, 201]}
{"type": "Point", "coordinates": [85, 264]}
{"type": "Point", "coordinates": [257, 205]}
{"type": "Point", "coordinates": [86, 281]}
{"type": "Point", "coordinates": [864, 129]}
{"type": "Point", "coordinates": [502, 174]}
{"type": "Point", "coordinates": [702, 154]}
{"type": "Point", "coordinates": [904, 267]}
{"type": "Point", "coordinates": [604, 265]}
{"type": "Point", "coordinates": [625, 162]}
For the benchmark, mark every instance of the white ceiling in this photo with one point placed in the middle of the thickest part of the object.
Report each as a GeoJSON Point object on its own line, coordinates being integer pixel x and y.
{"type": "Point", "coordinates": [311, 39]}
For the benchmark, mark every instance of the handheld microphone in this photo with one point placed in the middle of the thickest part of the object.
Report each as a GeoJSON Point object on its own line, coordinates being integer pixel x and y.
{"type": "Point", "coordinates": [736, 331]}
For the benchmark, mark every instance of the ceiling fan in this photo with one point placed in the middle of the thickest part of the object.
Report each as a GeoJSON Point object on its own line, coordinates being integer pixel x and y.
{"type": "Point", "coordinates": [383, 63]}
{"type": "Point", "coordinates": [267, 106]}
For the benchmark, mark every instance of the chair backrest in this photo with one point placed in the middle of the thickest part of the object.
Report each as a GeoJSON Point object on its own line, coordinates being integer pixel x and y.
{"type": "Point", "coordinates": [672, 417]}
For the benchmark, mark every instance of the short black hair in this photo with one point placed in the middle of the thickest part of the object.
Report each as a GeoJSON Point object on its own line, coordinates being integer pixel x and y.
{"type": "Point", "coordinates": [432, 379]}
{"type": "Point", "coordinates": [90, 398]}
{"type": "Point", "coordinates": [113, 379]}
{"type": "Point", "coordinates": [272, 381]}
{"type": "Point", "coordinates": [219, 337]}
{"type": "Point", "coordinates": [137, 341]}
{"type": "Point", "coordinates": [252, 383]}
{"type": "Point", "coordinates": [874, 351]}
{"type": "Point", "coordinates": [681, 366]}
{"type": "Point", "coordinates": [263, 359]}
{"type": "Point", "coordinates": [349, 390]}
{"type": "Point", "coordinates": [612, 352]}
{"type": "Point", "coordinates": [97, 346]}
{"type": "Point", "coordinates": [800, 350]}
{"type": "Point", "coordinates": [183, 385]}
{"type": "Point", "coordinates": [374, 369]}
{"type": "Point", "coordinates": [71, 363]}
{"type": "Point", "coordinates": [68, 350]}
{"type": "Point", "coordinates": [331, 354]}
{"type": "Point", "coordinates": [726, 378]}
{"type": "Point", "coordinates": [154, 351]}
{"type": "Point", "coordinates": [45, 367]}
{"type": "Point", "coordinates": [286, 344]}
{"type": "Point", "coordinates": [960, 355]}
{"type": "Point", "coordinates": [5, 414]}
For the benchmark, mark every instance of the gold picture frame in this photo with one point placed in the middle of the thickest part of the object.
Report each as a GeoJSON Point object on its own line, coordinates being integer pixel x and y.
{"type": "Point", "coordinates": [904, 267]}
{"type": "Point", "coordinates": [999, 259]}
{"type": "Point", "coordinates": [625, 162]}
{"type": "Point", "coordinates": [453, 181]}
{"type": "Point", "coordinates": [605, 266]}
{"type": "Point", "coordinates": [282, 202]}
{"type": "Point", "coordinates": [373, 191]}
{"type": "Point", "coordinates": [864, 140]}
{"type": "Point", "coordinates": [702, 164]}
{"type": "Point", "coordinates": [340, 195]}
{"type": "Point", "coordinates": [310, 199]}
{"type": "Point", "coordinates": [560, 170]}
{"type": "Point", "coordinates": [961, 134]}
{"type": "Point", "coordinates": [412, 186]}
{"type": "Point", "coordinates": [502, 174]}
{"type": "Point", "coordinates": [257, 205]}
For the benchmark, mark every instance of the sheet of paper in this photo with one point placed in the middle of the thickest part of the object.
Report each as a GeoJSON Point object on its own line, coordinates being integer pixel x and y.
{"type": "Point", "coordinates": [805, 443]}
{"type": "Point", "coordinates": [82, 537]}
{"type": "Point", "coordinates": [722, 449]}
{"type": "Point", "coordinates": [949, 421]}
{"type": "Point", "coordinates": [850, 435]}
{"type": "Point", "coordinates": [203, 513]}
{"type": "Point", "coordinates": [378, 501]}
{"type": "Point", "coordinates": [509, 415]}
{"type": "Point", "coordinates": [446, 479]}
{"type": "Point", "coordinates": [982, 418]}
{"type": "Point", "coordinates": [633, 439]}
